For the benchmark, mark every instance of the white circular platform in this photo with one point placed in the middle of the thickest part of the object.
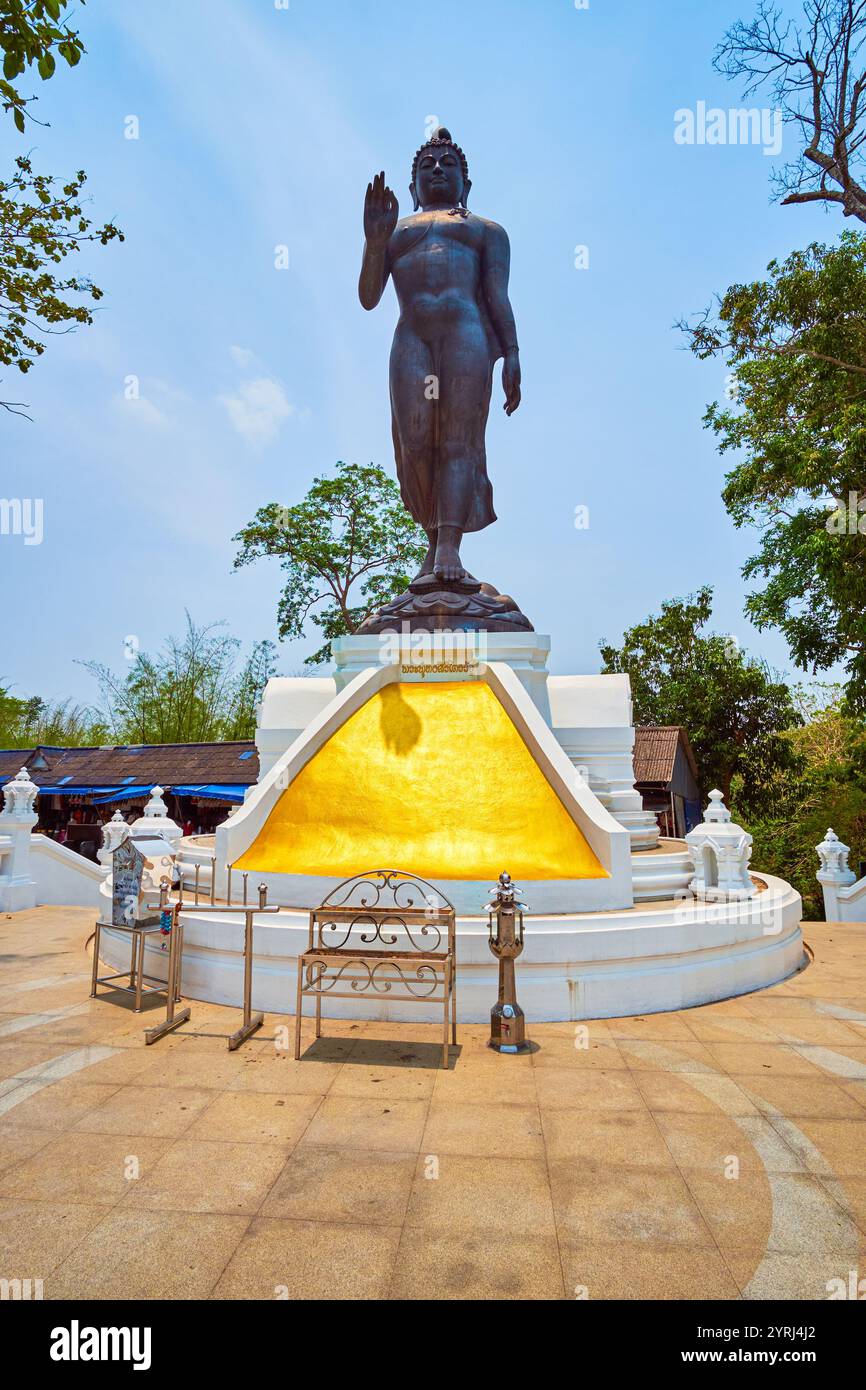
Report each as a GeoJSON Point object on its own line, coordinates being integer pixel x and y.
{"type": "Point", "coordinates": [653, 957]}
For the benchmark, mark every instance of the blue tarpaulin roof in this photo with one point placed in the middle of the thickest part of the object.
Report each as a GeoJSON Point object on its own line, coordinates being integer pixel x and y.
{"type": "Point", "coordinates": [71, 789]}
{"type": "Point", "coordinates": [123, 794]}
{"type": "Point", "coordinates": [213, 791]}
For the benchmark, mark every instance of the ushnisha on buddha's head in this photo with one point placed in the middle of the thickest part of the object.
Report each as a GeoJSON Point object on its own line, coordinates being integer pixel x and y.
{"type": "Point", "coordinates": [440, 173]}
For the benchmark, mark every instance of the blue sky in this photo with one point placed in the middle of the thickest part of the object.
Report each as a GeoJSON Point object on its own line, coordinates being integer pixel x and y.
{"type": "Point", "coordinates": [260, 127]}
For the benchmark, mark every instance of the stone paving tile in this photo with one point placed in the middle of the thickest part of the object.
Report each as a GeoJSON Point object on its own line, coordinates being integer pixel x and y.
{"type": "Point", "coordinates": [367, 1168]}
{"type": "Point", "coordinates": [748, 1059]}
{"type": "Point", "coordinates": [711, 1141]}
{"type": "Point", "coordinates": [17, 1056]}
{"type": "Point", "coordinates": [402, 1083]}
{"type": "Point", "coordinates": [473, 1084]}
{"type": "Point", "coordinates": [796, 1212]}
{"type": "Point", "coordinates": [603, 1137]}
{"type": "Point", "coordinates": [850, 1193]}
{"type": "Point", "coordinates": [595, 1030]}
{"type": "Point", "coordinates": [311, 1260]}
{"type": "Point", "coordinates": [190, 1066]}
{"type": "Point", "coordinates": [255, 1118]}
{"type": "Point", "coordinates": [841, 1144]}
{"type": "Point", "coordinates": [590, 1090]}
{"type": "Point", "coordinates": [408, 1055]}
{"type": "Point", "coordinates": [819, 1097]}
{"type": "Point", "coordinates": [282, 1075]}
{"type": "Point", "coordinates": [149, 1254]}
{"type": "Point", "coordinates": [122, 1066]}
{"type": "Point", "coordinates": [562, 1054]}
{"type": "Point", "coordinates": [833, 1032]}
{"type": "Point", "coordinates": [769, 1275]}
{"type": "Point", "coordinates": [198, 1175]}
{"type": "Point", "coordinates": [473, 1265]}
{"type": "Point", "coordinates": [465, 1194]}
{"type": "Point", "coordinates": [611, 1204]}
{"type": "Point", "coordinates": [18, 1142]}
{"type": "Point", "coordinates": [490, 1131]}
{"type": "Point", "coordinates": [658, 1027]}
{"type": "Point", "coordinates": [36, 1236]}
{"type": "Point", "coordinates": [356, 1122]}
{"type": "Point", "coordinates": [160, 1110]}
{"type": "Point", "coordinates": [355, 1185]}
{"type": "Point", "coordinates": [93, 1168]}
{"type": "Point", "coordinates": [856, 1090]}
{"type": "Point", "coordinates": [728, 1028]}
{"type": "Point", "coordinates": [644, 1270]}
{"type": "Point", "coordinates": [693, 1093]}
{"type": "Point", "coordinates": [667, 1054]}
{"type": "Point", "coordinates": [54, 1107]}
{"type": "Point", "coordinates": [777, 1004]}
{"type": "Point", "coordinates": [75, 1030]}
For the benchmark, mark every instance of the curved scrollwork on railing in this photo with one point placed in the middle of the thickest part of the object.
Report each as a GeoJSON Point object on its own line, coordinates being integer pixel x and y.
{"type": "Point", "coordinates": [388, 888]}
{"type": "Point", "coordinates": [421, 981]}
{"type": "Point", "coordinates": [375, 930]}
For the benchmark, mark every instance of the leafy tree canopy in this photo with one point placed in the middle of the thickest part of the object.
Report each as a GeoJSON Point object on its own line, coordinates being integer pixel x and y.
{"type": "Point", "coordinates": [733, 708]}
{"type": "Point", "coordinates": [796, 344]}
{"type": "Point", "coordinates": [42, 221]}
{"type": "Point", "coordinates": [193, 691]}
{"type": "Point", "coordinates": [26, 722]}
{"type": "Point", "coordinates": [348, 548]}
{"type": "Point", "coordinates": [827, 790]}
{"type": "Point", "coordinates": [41, 224]}
{"type": "Point", "coordinates": [31, 32]}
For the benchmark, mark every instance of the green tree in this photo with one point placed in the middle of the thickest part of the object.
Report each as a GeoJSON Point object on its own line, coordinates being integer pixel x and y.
{"type": "Point", "coordinates": [796, 346]}
{"type": "Point", "coordinates": [40, 225]}
{"type": "Point", "coordinates": [733, 708]}
{"type": "Point", "coordinates": [190, 692]}
{"type": "Point", "coordinates": [41, 220]}
{"type": "Point", "coordinates": [828, 790]}
{"type": "Point", "coordinates": [29, 721]}
{"type": "Point", "coordinates": [31, 32]}
{"type": "Point", "coordinates": [348, 548]}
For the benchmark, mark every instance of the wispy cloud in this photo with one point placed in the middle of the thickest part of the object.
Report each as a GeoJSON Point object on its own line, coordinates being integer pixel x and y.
{"type": "Point", "coordinates": [258, 409]}
{"type": "Point", "coordinates": [243, 357]}
{"type": "Point", "coordinates": [142, 411]}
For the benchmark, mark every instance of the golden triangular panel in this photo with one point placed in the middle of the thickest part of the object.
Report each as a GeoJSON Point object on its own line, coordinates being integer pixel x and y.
{"type": "Point", "coordinates": [434, 779]}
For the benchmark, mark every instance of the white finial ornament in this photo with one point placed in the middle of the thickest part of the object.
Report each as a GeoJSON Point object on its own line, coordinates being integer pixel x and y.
{"type": "Point", "coordinates": [720, 853]}
{"type": "Point", "coordinates": [114, 832]}
{"type": "Point", "coordinates": [19, 796]}
{"type": "Point", "coordinates": [156, 821]}
{"type": "Point", "coordinates": [834, 861]}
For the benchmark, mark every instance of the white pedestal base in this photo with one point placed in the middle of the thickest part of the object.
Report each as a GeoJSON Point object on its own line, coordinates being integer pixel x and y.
{"type": "Point", "coordinates": [647, 959]}
{"type": "Point", "coordinates": [17, 897]}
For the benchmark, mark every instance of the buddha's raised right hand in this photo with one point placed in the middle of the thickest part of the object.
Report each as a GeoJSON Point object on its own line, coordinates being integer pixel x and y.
{"type": "Point", "coordinates": [381, 211]}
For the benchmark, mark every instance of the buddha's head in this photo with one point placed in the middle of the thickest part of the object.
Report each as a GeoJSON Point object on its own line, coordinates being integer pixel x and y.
{"type": "Point", "coordinates": [440, 173]}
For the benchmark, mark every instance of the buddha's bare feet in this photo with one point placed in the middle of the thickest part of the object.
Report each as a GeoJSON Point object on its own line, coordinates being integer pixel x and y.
{"type": "Point", "coordinates": [447, 564]}
{"type": "Point", "coordinates": [429, 558]}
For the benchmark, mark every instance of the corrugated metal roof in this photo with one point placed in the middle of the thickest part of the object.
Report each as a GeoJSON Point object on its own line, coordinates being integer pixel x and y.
{"type": "Point", "coordinates": [655, 752]}
{"type": "Point", "coordinates": [165, 764]}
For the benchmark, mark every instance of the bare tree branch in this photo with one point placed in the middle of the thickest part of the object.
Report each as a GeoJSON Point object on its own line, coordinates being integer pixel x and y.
{"type": "Point", "coordinates": [816, 72]}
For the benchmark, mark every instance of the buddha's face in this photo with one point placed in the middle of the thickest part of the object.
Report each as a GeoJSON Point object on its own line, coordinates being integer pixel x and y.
{"type": "Point", "coordinates": [439, 177]}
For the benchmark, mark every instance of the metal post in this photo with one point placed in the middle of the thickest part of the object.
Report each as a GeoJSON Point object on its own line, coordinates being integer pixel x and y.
{"type": "Point", "coordinates": [173, 1019]}
{"type": "Point", "coordinates": [252, 1022]}
{"type": "Point", "coordinates": [506, 942]}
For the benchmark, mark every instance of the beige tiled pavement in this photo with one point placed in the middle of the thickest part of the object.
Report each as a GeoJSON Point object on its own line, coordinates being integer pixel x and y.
{"type": "Point", "coordinates": [717, 1152]}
